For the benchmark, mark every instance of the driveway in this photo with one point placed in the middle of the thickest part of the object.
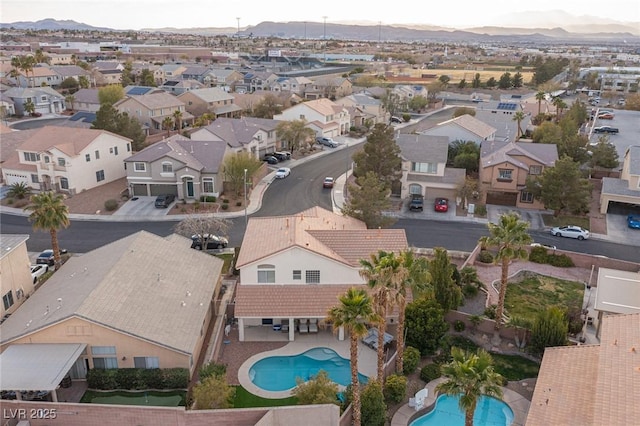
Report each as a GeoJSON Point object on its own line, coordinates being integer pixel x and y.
{"type": "Point", "coordinates": [618, 231]}
{"type": "Point", "coordinates": [141, 206]}
{"type": "Point", "coordinates": [534, 217]}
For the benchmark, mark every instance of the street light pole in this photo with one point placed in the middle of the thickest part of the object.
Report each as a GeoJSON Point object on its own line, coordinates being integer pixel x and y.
{"type": "Point", "coordinates": [324, 38]}
{"type": "Point", "coordinates": [246, 220]}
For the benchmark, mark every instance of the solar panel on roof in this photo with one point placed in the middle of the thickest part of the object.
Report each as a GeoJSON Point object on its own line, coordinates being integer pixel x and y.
{"type": "Point", "coordinates": [138, 90]}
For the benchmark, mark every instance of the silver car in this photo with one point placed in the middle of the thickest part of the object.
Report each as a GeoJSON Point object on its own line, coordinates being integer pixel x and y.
{"type": "Point", "coordinates": [570, 232]}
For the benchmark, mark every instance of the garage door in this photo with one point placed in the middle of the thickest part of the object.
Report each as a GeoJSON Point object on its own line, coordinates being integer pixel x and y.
{"type": "Point", "coordinates": [502, 198]}
{"type": "Point", "coordinates": [164, 189]}
{"type": "Point", "coordinates": [140, 189]}
{"type": "Point", "coordinates": [433, 193]}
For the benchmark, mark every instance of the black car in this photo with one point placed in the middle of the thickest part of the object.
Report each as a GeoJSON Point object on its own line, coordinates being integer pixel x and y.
{"type": "Point", "coordinates": [270, 159]}
{"type": "Point", "coordinates": [417, 202]}
{"type": "Point", "coordinates": [213, 242]}
{"type": "Point", "coordinates": [280, 156]}
{"type": "Point", "coordinates": [46, 257]}
{"type": "Point", "coordinates": [605, 129]}
{"type": "Point", "coordinates": [164, 201]}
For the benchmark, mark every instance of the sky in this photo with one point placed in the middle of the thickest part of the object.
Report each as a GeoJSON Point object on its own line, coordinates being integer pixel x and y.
{"type": "Point", "coordinates": [138, 14]}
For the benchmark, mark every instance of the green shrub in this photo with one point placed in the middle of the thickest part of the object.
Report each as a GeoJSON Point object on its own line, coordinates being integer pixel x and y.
{"type": "Point", "coordinates": [212, 369]}
{"type": "Point", "coordinates": [462, 343]}
{"type": "Point", "coordinates": [225, 201]}
{"type": "Point", "coordinates": [481, 210]}
{"type": "Point", "coordinates": [110, 205]}
{"type": "Point", "coordinates": [9, 201]}
{"type": "Point", "coordinates": [101, 379]}
{"type": "Point", "coordinates": [411, 360]}
{"type": "Point", "coordinates": [176, 378]}
{"type": "Point", "coordinates": [225, 206]}
{"type": "Point", "coordinates": [152, 378]}
{"type": "Point", "coordinates": [430, 372]}
{"type": "Point", "coordinates": [406, 117]}
{"type": "Point", "coordinates": [459, 326]}
{"type": "Point", "coordinates": [538, 255]}
{"type": "Point", "coordinates": [208, 199]}
{"type": "Point", "coordinates": [373, 408]}
{"type": "Point", "coordinates": [485, 256]}
{"type": "Point", "coordinates": [560, 260]}
{"type": "Point", "coordinates": [469, 290]}
{"type": "Point", "coordinates": [490, 312]}
{"type": "Point", "coordinates": [395, 388]}
{"type": "Point", "coordinates": [127, 378]}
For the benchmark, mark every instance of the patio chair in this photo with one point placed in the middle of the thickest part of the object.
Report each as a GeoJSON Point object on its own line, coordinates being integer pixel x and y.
{"type": "Point", "coordinates": [418, 399]}
{"type": "Point", "coordinates": [303, 327]}
{"type": "Point", "coordinates": [313, 325]}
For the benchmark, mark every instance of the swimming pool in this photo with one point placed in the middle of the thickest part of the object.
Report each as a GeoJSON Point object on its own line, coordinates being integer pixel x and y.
{"type": "Point", "coordinates": [489, 412]}
{"type": "Point", "coordinates": [278, 373]}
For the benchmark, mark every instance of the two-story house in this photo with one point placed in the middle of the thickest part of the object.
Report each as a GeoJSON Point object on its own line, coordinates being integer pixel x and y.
{"type": "Point", "coordinates": [107, 72]}
{"type": "Point", "coordinates": [373, 110]}
{"type": "Point", "coordinates": [67, 159]}
{"type": "Point", "coordinates": [224, 79]}
{"type": "Point", "coordinates": [44, 99]}
{"type": "Point", "coordinates": [424, 167]}
{"type": "Point", "coordinates": [463, 128]}
{"type": "Point", "coordinates": [253, 81]}
{"type": "Point", "coordinates": [151, 109]}
{"type": "Point", "coordinates": [297, 273]}
{"type": "Point", "coordinates": [323, 116]}
{"type": "Point", "coordinates": [626, 189]}
{"type": "Point", "coordinates": [171, 72]}
{"type": "Point", "coordinates": [249, 134]}
{"type": "Point", "coordinates": [186, 168]}
{"type": "Point", "coordinates": [69, 71]}
{"type": "Point", "coordinates": [210, 100]}
{"type": "Point", "coordinates": [178, 87]}
{"type": "Point", "coordinates": [16, 283]}
{"type": "Point", "coordinates": [329, 87]}
{"type": "Point", "coordinates": [505, 166]}
{"type": "Point", "coordinates": [294, 85]}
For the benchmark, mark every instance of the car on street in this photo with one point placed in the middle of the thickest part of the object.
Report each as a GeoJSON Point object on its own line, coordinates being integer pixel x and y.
{"type": "Point", "coordinates": [416, 203]}
{"type": "Point", "coordinates": [37, 271]}
{"type": "Point", "coordinates": [327, 142]}
{"type": "Point", "coordinates": [328, 182]}
{"type": "Point", "coordinates": [396, 120]}
{"type": "Point", "coordinates": [633, 221]}
{"type": "Point", "coordinates": [606, 116]}
{"type": "Point", "coordinates": [570, 231]}
{"type": "Point", "coordinates": [270, 159]}
{"type": "Point", "coordinates": [283, 172]}
{"type": "Point", "coordinates": [164, 200]}
{"type": "Point", "coordinates": [606, 129]}
{"type": "Point", "coordinates": [212, 241]}
{"type": "Point", "coordinates": [441, 205]}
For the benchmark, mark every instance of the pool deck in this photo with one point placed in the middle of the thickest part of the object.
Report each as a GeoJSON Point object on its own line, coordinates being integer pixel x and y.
{"type": "Point", "coordinates": [367, 359]}
{"type": "Point", "coordinates": [518, 404]}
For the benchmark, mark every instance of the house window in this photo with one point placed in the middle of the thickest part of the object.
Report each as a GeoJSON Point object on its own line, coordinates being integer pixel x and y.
{"type": "Point", "coordinates": [97, 153]}
{"type": "Point", "coordinates": [526, 197]}
{"type": "Point", "coordinates": [302, 117]}
{"type": "Point", "coordinates": [64, 183]}
{"type": "Point", "coordinates": [297, 274]}
{"type": "Point", "coordinates": [100, 175]}
{"type": "Point", "coordinates": [146, 362]}
{"type": "Point", "coordinates": [115, 150]}
{"type": "Point", "coordinates": [87, 157]}
{"type": "Point", "coordinates": [46, 159]}
{"type": "Point", "coordinates": [105, 363]}
{"type": "Point", "coordinates": [535, 170]}
{"type": "Point", "coordinates": [207, 185]}
{"type": "Point", "coordinates": [312, 277]}
{"type": "Point", "coordinates": [61, 162]}
{"type": "Point", "coordinates": [128, 147]}
{"type": "Point", "coordinates": [139, 167]}
{"type": "Point", "coordinates": [34, 178]}
{"type": "Point", "coordinates": [167, 168]}
{"type": "Point", "coordinates": [431, 168]}
{"type": "Point", "coordinates": [7, 300]}
{"type": "Point", "coordinates": [31, 156]}
{"type": "Point", "coordinates": [103, 350]}
{"type": "Point", "coordinates": [266, 274]}
{"type": "Point", "coordinates": [504, 174]}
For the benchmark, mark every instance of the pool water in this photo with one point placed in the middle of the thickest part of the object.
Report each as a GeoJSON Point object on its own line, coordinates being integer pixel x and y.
{"type": "Point", "coordinates": [489, 412]}
{"type": "Point", "coordinates": [279, 373]}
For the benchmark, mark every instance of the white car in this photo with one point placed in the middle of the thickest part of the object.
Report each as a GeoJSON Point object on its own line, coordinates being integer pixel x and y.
{"type": "Point", "coordinates": [283, 172]}
{"type": "Point", "coordinates": [570, 231]}
{"type": "Point", "coordinates": [37, 271]}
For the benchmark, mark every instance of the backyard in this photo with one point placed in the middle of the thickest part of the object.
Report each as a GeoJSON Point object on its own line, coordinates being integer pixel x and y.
{"type": "Point", "coordinates": [152, 398]}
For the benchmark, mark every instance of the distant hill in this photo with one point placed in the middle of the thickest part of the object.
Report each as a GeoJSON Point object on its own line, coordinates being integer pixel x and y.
{"type": "Point", "coordinates": [53, 25]}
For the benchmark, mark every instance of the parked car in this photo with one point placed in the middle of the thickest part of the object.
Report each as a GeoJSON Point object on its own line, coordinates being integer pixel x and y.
{"type": "Point", "coordinates": [605, 129]}
{"type": "Point", "coordinates": [570, 231]}
{"type": "Point", "coordinates": [37, 271]}
{"type": "Point", "coordinates": [270, 159]}
{"type": "Point", "coordinates": [283, 172]}
{"type": "Point", "coordinates": [283, 155]}
{"type": "Point", "coordinates": [416, 203]}
{"type": "Point", "coordinates": [606, 116]}
{"type": "Point", "coordinates": [328, 182]}
{"type": "Point", "coordinates": [327, 142]}
{"type": "Point", "coordinates": [396, 120]}
{"type": "Point", "coordinates": [213, 242]}
{"type": "Point", "coordinates": [547, 246]}
{"type": "Point", "coordinates": [163, 201]}
{"type": "Point", "coordinates": [46, 257]}
{"type": "Point", "coordinates": [633, 221]}
{"type": "Point", "coordinates": [441, 205]}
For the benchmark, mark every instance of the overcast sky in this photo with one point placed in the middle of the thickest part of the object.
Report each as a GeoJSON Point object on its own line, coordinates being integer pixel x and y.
{"type": "Point", "coordinates": [137, 14]}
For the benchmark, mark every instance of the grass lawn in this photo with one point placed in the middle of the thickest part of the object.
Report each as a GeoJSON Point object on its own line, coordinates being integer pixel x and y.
{"type": "Point", "coordinates": [152, 398]}
{"type": "Point", "coordinates": [536, 293]}
{"type": "Point", "coordinates": [227, 258]}
{"type": "Point", "coordinates": [563, 220]}
{"type": "Point", "coordinates": [244, 399]}
{"type": "Point", "coordinates": [514, 367]}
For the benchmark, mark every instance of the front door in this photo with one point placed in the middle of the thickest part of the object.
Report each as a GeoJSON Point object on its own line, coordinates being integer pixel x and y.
{"type": "Point", "coordinates": [190, 188]}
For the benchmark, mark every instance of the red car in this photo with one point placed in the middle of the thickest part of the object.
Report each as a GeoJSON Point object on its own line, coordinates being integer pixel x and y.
{"type": "Point", "coordinates": [442, 205]}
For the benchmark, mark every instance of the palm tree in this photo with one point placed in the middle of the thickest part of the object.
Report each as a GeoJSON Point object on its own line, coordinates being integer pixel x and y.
{"type": "Point", "coordinates": [18, 190]}
{"type": "Point", "coordinates": [167, 124]}
{"type": "Point", "coordinates": [177, 117]}
{"type": "Point", "coordinates": [70, 99]}
{"type": "Point", "coordinates": [470, 376]}
{"type": "Point", "coordinates": [509, 235]}
{"type": "Point", "coordinates": [540, 96]}
{"type": "Point", "coordinates": [352, 313]}
{"type": "Point", "coordinates": [560, 106]}
{"type": "Point", "coordinates": [49, 213]}
{"type": "Point", "coordinates": [519, 116]}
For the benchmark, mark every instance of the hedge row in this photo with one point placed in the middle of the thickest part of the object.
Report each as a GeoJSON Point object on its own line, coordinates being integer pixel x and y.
{"type": "Point", "coordinates": [541, 255]}
{"type": "Point", "coordinates": [138, 378]}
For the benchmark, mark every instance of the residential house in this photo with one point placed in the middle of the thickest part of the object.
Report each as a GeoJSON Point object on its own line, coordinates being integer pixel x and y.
{"type": "Point", "coordinates": [67, 159]}
{"type": "Point", "coordinates": [504, 168]}
{"type": "Point", "coordinates": [406, 92]}
{"type": "Point", "coordinates": [424, 167]}
{"type": "Point", "coordinates": [151, 109]}
{"type": "Point", "coordinates": [10, 140]}
{"type": "Point", "coordinates": [253, 81]}
{"type": "Point", "coordinates": [171, 72]}
{"type": "Point", "coordinates": [499, 115]}
{"type": "Point", "coordinates": [249, 134]}
{"type": "Point", "coordinates": [224, 79]}
{"type": "Point", "coordinates": [127, 303]}
{"type": "Point", "coordinates": [372, 109]}
{"type": "Point", "coordinates": [199, 73]}
{"type": "Point", "coordinates": [38, 76]}
{"type": "Point", "coordinates": [329, 87]}
{"type": "Point", "coordinates": [7, 106]}
{"type": "Point", "coordinates": [297, 274]}
{"type": "Point", "coordinates": [133, 90]}
{"type": "Point", "coordinates": [16, 284]}
{"type": "Point", "coordinates": [107, 72]}
{"type": "Point", "coordinates": [210, 100]}
{"type": "Point", "coordinates": [598, 384]}
{"type": "Point", "coordinates": [626, 189]}
{"type": "Point", "coordinates": [325, 117]}
{"type": "Point", "coordinates": [463, 128]}
{"type": "Point", "coordinates": [86, 100]}
{"type": "Point", "coordinates": [178, 87]}
{"type": "Point", "coordinates": [295, 85]}
{"type": "Point", "coordinates": [45, 100]}
{"type": "Point", "coordinates": [186, 168]}
{"type": "Point", "coordinates": [69, 71]}
{"type": "Point", "coordinates": [617, 292]}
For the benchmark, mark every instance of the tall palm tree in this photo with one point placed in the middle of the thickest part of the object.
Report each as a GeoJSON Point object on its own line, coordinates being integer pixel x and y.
{"type": "Point", "coordinates": [49, 213]}
{"type": "Point", "coordinates": [177, 117]}
{"type": "Point", "coordinates": [540, 96]}
{"type": "Point", "coordinates": [352, 313]}
{"type": "Point", "coordinates": [470, 376]}
{"type": "Point", "coordinates": [70, 99]}
{"type": "Point", "coordinates": [560, 106]}
{"type": "Point", "coordinates": [518, 117]}
{"type": "Point", "coordinates": [509, 235]}
{"type": "Point", "coordinates": [167, 124]}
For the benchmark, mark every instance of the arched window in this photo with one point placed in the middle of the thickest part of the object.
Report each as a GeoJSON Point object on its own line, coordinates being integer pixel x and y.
{"type": "Point", "coordinates": [266, 274]}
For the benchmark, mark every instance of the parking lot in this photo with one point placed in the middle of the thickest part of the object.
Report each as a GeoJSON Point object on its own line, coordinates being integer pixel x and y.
{"type": "Point", "coordinates": [627, 124]}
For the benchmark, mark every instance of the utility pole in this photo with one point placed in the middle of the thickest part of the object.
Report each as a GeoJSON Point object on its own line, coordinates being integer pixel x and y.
{"type": "Point", "coordinates": [246, 220]}
{"type": "Point", "coordinates": [324, 38]}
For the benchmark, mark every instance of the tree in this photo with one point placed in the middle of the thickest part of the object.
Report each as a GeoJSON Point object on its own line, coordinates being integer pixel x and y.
{"type": "Point", "coordinates": [213, 393]}
{"type": "Point", "coordinates": [69, 85]}
{"type": "Point", "coordinates": [470, 376]}
{"type": "Point", "coordinates": [317, 390]}
{"type": "Point", "coordinates": [425, 325]}
{"type": "Point", "coordinates": [560, 106]}
{"type": "Point", "coordinates": [418, 102]}
{"type": "Point", "coordinates": [547, 132]}
{"type": "Point", "coordinates": [540, 96]}
{"type": "Point", "coordinates": [83, 81]}
{"type": "Point", "coordinates": [29, 106]}
{"type": "Point", "coordinates": [40, 58]}
{"type": "Point", "coordinates": [468, 190]}
{"type": "Point", "coordinates": [444, 79]}
{"type": "Point", "coordinates": [177, 117]}
{"type": "Point", "coordinates": [446, 292]}
{"type": "Point", "coordinates": [368, 200]}
{"type": "Point", "coordinates": [632, 102]}
{"type": "Point", "coordinates": [379, 155]}
{"type": "Point", "coordinates": [269, 106]}
{"type": "Point", "coordinates": [295, 134]}
{"type": "Point", "coordinates": [462, 84]}
{"type": "Point", "coordinates": [374, 410]}
{"type": "Point", "coordinates": [550, 328]}
{"type": "Point", "coordinates": [518, 117]}
{"type": "Point", "coordinates": [203, 226]}
{"type": "Point", "coordinates": [352, 313]}
{"type": "Point", "coordinates": [18, 190]}
{"type": "Point", "coordinates": [522, 326]}
{"type": "Point", "coordinates": [476, 83]}
{"type": "Point", "coordinates": [561, 188]}
{"type": "Point", "coordinates": [49, 213]}
{"type": "Point", "coordinates": [24, 63]}
{"type": "Point", "coordinates": [110, 94]}
{"type": "Point", "coordinates": [167, 124]}
{"type": "Point", "coordinates": [434, 88]}
{"type": "Point", "coordinates": [392, 102]}
{"type": "Point", "coordinates": [491, 82]}
{"type": "Point", "coordinates": [233, 168]}
{"type": "Point", "coordinates": [146, 78]}
{"type": "Point", "coordinates": [110, 119]}
{"type": "Point", "coordinates": [510, 236]}
{"type": "Point", "coordinates": [505, 81]}
{"type": "Point", "coordinates": [464, 111]}
{"type": "Point", "coordinates": [604, 154]}
{"type": "Point", "coordinates": [70, 99]}
{"type": "Point", "coordinates": [517, 80]}
{"type": "Point", "coordinates": [127, 78]}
